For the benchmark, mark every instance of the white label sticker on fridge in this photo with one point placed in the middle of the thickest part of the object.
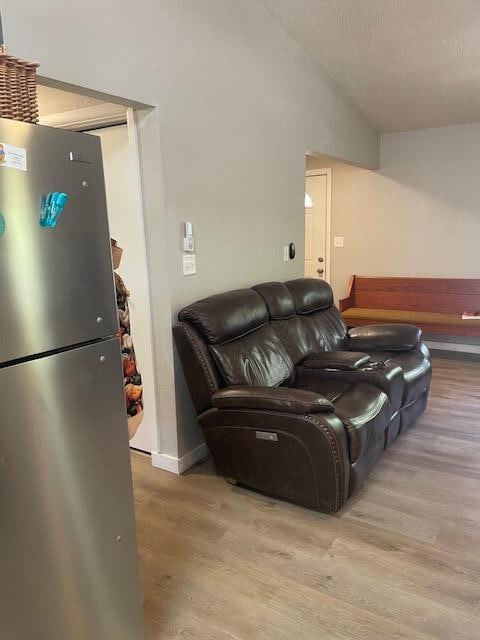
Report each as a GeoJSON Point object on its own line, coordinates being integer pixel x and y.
{"type": "Point", "coordinates": [13, 157]}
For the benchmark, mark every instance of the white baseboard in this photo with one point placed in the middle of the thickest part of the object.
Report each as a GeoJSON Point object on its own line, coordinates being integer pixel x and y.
{"type": "Point", "coordinates": [179, 465]}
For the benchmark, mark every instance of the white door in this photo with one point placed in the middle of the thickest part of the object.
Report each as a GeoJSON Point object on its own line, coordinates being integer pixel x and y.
{"type": "Point", "coordinates": [317, 225]}
{"type": "Point", "coordinates": [125, 217]}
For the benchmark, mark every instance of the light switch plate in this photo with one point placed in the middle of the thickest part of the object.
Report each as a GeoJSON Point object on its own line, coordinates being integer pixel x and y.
{"type": "Point", "coordinates": [189, 264]}
{"type": "Point", "coordinates": [338, 241]}
{"type": "Point", "coordinates": [286, 255]}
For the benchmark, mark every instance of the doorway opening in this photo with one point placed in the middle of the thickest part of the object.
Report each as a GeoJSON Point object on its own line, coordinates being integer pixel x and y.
{"type": "Point", "coordinates": [114, 124]}
{"type": "Point", "coordinates": [318, 208]}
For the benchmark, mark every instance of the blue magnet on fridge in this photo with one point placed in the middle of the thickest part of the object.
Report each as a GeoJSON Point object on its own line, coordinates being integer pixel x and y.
{"type": "Point", "coordinates": [44, 209]}
{"type": "Point", "coordinates": [52, 208]}
{"type": "Point", "coordinates": [2, 225]}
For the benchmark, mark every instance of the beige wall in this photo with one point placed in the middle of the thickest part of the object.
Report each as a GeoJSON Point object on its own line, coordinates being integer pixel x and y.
{"type": "Point", "coordinates": [419, 215]}
{"type": "Point", "coordinates": [238, 104]}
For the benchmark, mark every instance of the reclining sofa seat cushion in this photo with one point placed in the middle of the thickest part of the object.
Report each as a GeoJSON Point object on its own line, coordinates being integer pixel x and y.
{"type": "Point", "coordinates": [416, 367]}
{"type": "Point", "coordinates": [398, 344]}
{"type": "Point", "coordinates": [363, 408]}
{"type": "Point", "coordinates": [244, 346]}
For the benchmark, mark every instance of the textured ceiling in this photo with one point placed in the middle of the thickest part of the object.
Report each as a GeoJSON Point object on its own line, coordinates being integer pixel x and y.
{"type": "Point", "coordinates": [407, 64]}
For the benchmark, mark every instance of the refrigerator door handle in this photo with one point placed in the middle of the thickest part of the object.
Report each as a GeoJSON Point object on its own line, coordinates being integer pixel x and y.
{"type": "Point", "coordinates": [77, 157]}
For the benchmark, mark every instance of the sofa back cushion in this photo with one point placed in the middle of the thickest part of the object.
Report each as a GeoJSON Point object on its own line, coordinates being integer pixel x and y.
{"type": "Point", "coordinates": [310, 294]}
{"type": "Point", "coordinates": [287, 324]}
{"type": "Point", "coordinates": [321, 321]}
{"type": "Point", "coordinates": [258, 359]}
{"type": "Point", "coordinates": [243, 345]}
{"type": "Point", "coordinates": [277, 299]}
{"type": "Point", "coordinates": [226, 316]}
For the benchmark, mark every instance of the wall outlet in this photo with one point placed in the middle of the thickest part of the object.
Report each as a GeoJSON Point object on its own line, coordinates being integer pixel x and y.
{"type": "Point", "coordinates": [189, 264]}
{"type": "Point", "coordinates": [286, 253]}
{"type": "Point", "coordinates": [338, 241]}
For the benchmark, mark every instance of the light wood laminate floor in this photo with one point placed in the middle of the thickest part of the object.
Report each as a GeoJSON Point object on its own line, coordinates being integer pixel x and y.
{"type": "Point", "coordinates": [401, 561]}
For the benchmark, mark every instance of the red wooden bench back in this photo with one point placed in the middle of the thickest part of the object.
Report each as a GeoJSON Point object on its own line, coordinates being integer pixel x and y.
{"type": "Point", "coordinates": [441, 295]}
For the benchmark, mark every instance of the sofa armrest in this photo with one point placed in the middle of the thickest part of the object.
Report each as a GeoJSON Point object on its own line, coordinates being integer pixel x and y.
{"type": "Point", "coordinates": [338, 360]}
{"type": "Point", "coordinates": [385, 337]}
{"type": "Point", "coordinates": [271, 399]}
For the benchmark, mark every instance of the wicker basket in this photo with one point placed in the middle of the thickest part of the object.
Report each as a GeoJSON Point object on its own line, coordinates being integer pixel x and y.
{"type": "Point", "coordinates": [18, 88]}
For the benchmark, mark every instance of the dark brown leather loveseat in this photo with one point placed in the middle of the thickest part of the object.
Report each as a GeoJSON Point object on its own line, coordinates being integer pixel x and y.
{"type": "Point", "coordinates": [291, 404]}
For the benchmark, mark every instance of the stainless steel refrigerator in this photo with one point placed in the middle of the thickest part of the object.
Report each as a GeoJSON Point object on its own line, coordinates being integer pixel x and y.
{"type": "Point", "coordinates": [68, 555]}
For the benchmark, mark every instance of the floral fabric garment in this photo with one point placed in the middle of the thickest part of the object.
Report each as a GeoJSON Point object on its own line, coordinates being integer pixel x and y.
{"type": "Point", "coordinates": [131, 375]}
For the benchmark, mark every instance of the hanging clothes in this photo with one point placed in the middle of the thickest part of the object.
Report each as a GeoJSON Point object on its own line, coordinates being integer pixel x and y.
{"type": "Point", "coordinates": [131, 375]}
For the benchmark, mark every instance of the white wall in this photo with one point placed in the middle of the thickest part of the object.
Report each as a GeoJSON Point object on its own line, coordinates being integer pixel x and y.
{"type": "Point", "coordinates": [419, 215]}
{"type": "Point", "coordinates": [238, 105]}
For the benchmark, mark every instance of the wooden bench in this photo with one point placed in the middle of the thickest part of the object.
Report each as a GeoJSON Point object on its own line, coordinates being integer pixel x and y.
{"type": "Point", "coordinates": [433, 304]}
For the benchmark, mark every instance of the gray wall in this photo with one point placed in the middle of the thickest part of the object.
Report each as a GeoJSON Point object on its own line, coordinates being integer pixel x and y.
{"type": "Point", "coordinates": [238, 105]}
{"type": "Point", "coordinates": [419, 215]}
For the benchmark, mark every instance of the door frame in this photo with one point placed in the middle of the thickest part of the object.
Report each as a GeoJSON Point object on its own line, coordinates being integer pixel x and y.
{"type": "Point", "coordinates": [328, 217]}
{"type": "Point", "coordinates": [97, 116]}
